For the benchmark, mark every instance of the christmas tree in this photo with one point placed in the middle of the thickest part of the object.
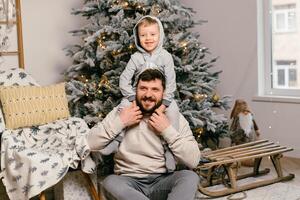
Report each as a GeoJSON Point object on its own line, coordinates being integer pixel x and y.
{"type": "Point", "coordinates": [108, 43]}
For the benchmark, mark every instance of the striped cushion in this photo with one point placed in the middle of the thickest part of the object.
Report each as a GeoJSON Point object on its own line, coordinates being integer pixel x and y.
{"type": "Point", "coordinates": [13, 76]}
{"type": "Point", "coordinates": [25, 106]}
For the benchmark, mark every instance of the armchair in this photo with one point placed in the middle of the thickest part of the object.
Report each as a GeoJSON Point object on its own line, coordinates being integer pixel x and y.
{"type": "Point", "coordinates": [36, 158]}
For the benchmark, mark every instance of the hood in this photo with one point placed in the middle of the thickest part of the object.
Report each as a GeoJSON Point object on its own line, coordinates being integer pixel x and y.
{"type": "Point", "coordinates": [161, 36]}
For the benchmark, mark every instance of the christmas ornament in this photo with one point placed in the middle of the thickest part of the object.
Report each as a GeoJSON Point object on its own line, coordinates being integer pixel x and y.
{"type": "Point", "coordinates": [215, 98]}
{"type": "Point", "coordinates": [104, 80]}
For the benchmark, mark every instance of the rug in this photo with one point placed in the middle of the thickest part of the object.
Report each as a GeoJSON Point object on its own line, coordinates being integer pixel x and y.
{"type": "Point", "coordinates": [279, 191]}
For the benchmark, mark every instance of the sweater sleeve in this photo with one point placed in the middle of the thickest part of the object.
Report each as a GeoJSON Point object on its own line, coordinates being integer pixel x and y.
{"type": "Point", "coordinates": [105, 131]}
{"type": "Point", "coordinates": [183, 144]}
{"type": "Point", "coordinates": [126, 79]}
{"type": "Point", "coordinates": [170, 81]}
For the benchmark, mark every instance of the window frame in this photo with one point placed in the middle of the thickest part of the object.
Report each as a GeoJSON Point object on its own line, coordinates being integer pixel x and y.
{"type": "Point", "coordinates": [265, 59]}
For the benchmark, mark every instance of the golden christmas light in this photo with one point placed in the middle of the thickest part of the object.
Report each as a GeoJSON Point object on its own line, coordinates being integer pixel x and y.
{"type": "Point", "coordinates": [183, 44]}
{"type": "Point", "coordinates": [82, 78]}
{"type": "Point", "coordinates": [125, 4]}
{"type": "Point", "coordinates": [199, 97]}
{"type": "Point", "coordinates": [199, 131]}
{"type": "Point", "coordinates": [138, 6]}
{"type": "Point", "coordinates": [155, 9]}
{"type": "Point", "coordinates": [131, 46]}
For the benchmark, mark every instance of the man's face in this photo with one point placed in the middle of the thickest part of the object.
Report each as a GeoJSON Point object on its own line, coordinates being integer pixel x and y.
{"type": "Point", "coordinates": [149, 95]}
{"type": "Point", "coordinates": [149, 37]}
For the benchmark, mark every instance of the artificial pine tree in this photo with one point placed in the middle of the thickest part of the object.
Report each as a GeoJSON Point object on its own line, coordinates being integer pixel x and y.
{"type": "Point", "coordinates": [108, 43]}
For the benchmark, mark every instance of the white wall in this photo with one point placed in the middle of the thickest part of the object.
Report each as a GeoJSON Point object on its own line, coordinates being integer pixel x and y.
{"type": "Point", "coordinates": [46, 26]}
{"type": "Point", "coordinates": [231, 34]}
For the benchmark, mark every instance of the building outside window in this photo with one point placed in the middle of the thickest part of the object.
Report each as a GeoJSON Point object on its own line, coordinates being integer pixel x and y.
{"type": "Point", "coordinates": [284, 18]}
{"type": "Point", "coordinates": [279, 47]}
{"type": "Point", "coordinates": [285, 74]}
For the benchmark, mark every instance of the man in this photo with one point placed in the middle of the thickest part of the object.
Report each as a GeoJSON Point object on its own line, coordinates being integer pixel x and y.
{"type": "Point", "coordinates": [140, 167]}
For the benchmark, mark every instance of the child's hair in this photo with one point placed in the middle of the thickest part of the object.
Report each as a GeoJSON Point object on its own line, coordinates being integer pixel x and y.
{"type": "Point", "coordinates": [240, 105]}
{"type": "Point", "coordinates": [146, 22]}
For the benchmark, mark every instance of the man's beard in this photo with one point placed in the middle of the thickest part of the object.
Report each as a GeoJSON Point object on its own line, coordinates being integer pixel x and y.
{"type": "Point", "coordinates": [151, 110]}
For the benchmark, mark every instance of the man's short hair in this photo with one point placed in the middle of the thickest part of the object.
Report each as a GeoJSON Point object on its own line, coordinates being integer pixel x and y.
{"type": "Point", "coordinates": [151, 75]}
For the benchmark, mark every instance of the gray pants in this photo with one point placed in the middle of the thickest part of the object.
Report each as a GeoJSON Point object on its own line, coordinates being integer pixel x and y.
{"type": "Point", "coordinates": [180, 185]}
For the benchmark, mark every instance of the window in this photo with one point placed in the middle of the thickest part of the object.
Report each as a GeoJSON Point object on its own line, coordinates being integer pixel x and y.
{"type": "Point", "coordinates": [284, 18]}
{"type": "Point", "coordinates": [285, 75]}
{"type": "Point", "coordinates": [278, 48]}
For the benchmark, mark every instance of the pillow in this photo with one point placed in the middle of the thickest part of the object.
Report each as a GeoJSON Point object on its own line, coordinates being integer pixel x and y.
{"type": "Point", "coordinates": [13, 76]}
{"type": "Point", "coordinates": [25, 106]}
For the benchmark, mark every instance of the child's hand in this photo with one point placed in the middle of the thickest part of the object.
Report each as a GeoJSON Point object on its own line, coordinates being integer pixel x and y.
{"type": "Point", "coordinates": [161, 108]}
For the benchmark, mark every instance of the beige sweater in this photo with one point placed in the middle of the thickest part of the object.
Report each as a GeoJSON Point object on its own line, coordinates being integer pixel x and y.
{"type": "Point", "coordinates": [141, 152]}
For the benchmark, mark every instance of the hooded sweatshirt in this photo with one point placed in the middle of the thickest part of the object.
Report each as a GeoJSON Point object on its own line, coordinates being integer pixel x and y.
{"type": "Point", "coordinates": [141, 60]}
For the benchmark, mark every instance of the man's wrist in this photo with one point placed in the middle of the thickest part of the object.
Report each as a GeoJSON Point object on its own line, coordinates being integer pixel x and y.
{"type": "Point", "coordinates": [169, 134]}
{"type": "Point", "coordinates": [119, 123]}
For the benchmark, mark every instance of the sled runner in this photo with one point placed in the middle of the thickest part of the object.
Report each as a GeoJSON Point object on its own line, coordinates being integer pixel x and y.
{"type": "Point", "coordinates": [222, 167]}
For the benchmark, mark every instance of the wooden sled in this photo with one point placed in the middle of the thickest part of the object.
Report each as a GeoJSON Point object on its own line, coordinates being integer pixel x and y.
{"type": "Point", "coordinates": [228, 159]}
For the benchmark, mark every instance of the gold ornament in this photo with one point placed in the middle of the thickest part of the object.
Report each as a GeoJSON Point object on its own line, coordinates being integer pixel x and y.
{"type": "Point", "coordinates": [104, 81]}
{"type": "Point", "coordinates": [215, 98]}
{"type": "Point", "coordinates": [114, 52]}
{"type": "Point", "coordinates": [199, 97]}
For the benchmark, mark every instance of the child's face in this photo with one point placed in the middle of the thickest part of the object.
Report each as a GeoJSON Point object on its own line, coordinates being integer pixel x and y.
{"type": "Point", "coordinates": [149, 36]}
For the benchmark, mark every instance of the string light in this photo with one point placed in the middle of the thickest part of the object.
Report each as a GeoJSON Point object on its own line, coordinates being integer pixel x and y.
{"type": "Point", "coordinates": [131, 46]}
{"type": "Point", "coordinates": [199, 97]}
{"type": "Point", "coordinates": [155, 9]}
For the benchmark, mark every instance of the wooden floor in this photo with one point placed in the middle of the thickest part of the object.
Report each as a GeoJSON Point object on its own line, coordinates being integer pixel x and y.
{"type": "Point", "coordinates": [289, 165]}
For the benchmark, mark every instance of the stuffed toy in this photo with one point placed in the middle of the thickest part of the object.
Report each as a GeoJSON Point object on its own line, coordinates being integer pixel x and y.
{"type": "Point", "coordinates": [243, 127]}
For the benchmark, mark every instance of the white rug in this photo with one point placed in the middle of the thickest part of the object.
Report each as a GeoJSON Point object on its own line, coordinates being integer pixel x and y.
{"type": "Point", "coordinates": [278, 191]}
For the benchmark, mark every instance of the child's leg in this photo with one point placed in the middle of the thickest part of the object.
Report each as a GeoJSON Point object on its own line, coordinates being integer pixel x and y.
{"type": "Point", "coordinates": [169, 157]}
{"type": "Point", "coordinates": [172, 113]}
{"type": "Point", "coordinates": [113, 146]}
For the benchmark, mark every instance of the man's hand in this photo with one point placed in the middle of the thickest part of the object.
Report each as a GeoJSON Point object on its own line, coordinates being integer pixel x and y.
{"type": "Point", "coordinates": [159, 121]}
{"type": "Point", "coordinates": [161, 108]}
{"type": "Point", "coordinates": [131, 115]}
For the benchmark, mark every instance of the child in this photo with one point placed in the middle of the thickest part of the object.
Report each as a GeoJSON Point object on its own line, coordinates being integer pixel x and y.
{"type": "Point", "coordinates": [149, 36]}
{"type": "Point", "coordinates": [243, 127]}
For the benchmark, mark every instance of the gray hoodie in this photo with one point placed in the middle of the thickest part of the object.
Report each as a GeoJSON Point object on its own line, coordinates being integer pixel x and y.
{"type": "Point", "coordinates": [141, 60]}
